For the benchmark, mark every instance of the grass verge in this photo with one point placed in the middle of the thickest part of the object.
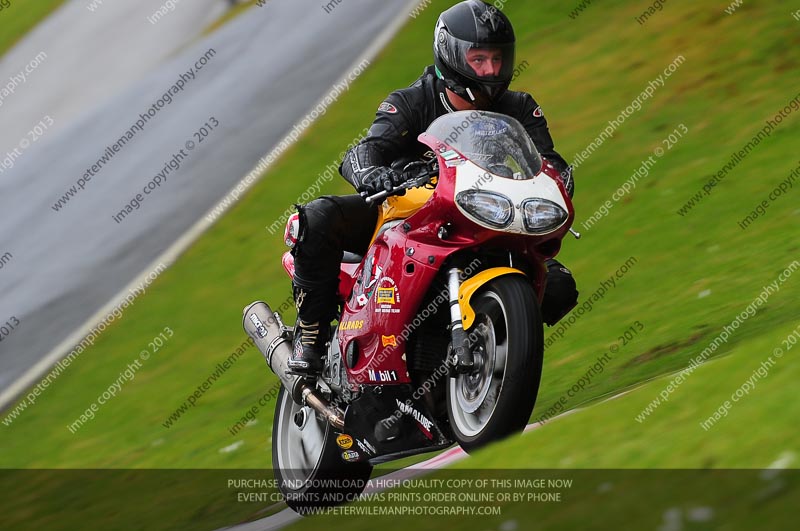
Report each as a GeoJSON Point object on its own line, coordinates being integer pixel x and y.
{"type": "Point", "coordinates": [21, 16]}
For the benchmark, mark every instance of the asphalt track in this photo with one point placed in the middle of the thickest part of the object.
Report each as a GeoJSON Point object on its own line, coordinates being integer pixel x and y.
{"type": "Point", "coordinates": [441, 460]}
{"type": "Point", "coordinates": [447, 457]}
{"type": "Point", "coordinates": [288, 516]}
{"type": "Point", "coordinates": [104, 69]}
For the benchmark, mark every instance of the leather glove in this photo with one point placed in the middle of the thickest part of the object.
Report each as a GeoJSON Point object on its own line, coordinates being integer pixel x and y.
{"type": "Point", "coordinates": [379, 178]}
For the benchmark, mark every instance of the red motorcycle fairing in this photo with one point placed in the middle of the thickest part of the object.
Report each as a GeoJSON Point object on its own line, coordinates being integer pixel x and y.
{"type": "Point", "coordinates": [399, 269]}
{"type": "Point", "coordinates": [384, 293]}
{"type": "Point", "coordinates": [389, 287]}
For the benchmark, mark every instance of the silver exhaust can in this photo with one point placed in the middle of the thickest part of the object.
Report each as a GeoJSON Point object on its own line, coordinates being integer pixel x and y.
{"type": "Point", "coordinates": [264, 328]}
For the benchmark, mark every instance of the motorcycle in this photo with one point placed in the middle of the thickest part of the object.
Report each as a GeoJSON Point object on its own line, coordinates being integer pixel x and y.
{"type": "Point", "coordinates": [439, 338]}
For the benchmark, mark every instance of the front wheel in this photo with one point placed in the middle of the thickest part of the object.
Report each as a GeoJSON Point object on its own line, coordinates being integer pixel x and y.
{"type": "Point", "coordinates": [497, 398]}
{"type": "Point", "coordinates": [309, 465]}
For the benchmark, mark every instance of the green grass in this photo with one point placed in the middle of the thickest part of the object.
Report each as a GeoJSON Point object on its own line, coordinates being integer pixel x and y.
{"type": "Point", "coordinates": [603, 445]}
{"type": "Point", "coordinates": [20, 17]}
{"type": "Point", "coordinates": [694, 274]}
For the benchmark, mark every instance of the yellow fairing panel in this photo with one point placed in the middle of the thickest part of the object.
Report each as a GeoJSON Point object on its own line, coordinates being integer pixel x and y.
{"type": "Point", "coordinates": [402, 206]}
{"type": "Point", "coordinates": [472, 284]}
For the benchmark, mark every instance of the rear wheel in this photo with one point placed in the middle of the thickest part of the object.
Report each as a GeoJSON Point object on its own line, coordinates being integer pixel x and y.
{"type": "Point", "coordinates": [308, 464]}
{"type": "Point", "coordinates": [496, 400]}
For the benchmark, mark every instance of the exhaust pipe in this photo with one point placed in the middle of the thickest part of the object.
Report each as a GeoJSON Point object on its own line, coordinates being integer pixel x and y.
{"type": "Point", "coordinates": [271, 337]}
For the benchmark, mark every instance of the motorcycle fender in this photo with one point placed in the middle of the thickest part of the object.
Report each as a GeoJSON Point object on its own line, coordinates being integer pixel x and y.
{"type": "Point", "coordinates": [473, 284]}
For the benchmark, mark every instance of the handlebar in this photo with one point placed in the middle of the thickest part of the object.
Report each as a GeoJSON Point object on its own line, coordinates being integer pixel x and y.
{"type": "Point", "coordinates": [415, 174]}
{"type": "Point", "coordinates": [380, 196]}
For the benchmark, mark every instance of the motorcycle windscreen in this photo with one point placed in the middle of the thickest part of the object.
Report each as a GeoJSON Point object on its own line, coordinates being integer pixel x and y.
{"type": "Point", "coordinates": [495, 142]}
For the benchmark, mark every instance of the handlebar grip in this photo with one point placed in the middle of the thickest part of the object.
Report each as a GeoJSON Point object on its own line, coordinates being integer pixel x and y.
{"type": "Point", "coordinates": [370, 199]}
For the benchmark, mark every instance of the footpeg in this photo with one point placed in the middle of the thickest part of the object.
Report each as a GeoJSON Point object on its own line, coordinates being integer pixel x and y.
{"type": "Point", "coordinates": [302, 375]}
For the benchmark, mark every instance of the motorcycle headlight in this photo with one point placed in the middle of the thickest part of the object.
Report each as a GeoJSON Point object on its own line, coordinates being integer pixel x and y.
{"type": "Point", "coordinates": [491, 208]}
{"type": "Point", "coordinates": [541, 216]}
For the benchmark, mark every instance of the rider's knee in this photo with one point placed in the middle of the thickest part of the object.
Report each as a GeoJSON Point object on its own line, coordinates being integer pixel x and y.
{"type": "Point", "coordinates": [320, 215]}
{"type": "Point", "coordinates": [314, 227]}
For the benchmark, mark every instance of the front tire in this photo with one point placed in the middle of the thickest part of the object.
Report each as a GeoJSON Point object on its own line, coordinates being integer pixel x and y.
{"type": "Point", "coordinates": [497, 399]}
{"type": "Point", "coordinates": [308, 464]}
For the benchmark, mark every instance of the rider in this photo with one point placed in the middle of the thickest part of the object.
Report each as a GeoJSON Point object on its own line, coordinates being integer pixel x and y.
{"type": "Point", "coordinates": [474, 63]}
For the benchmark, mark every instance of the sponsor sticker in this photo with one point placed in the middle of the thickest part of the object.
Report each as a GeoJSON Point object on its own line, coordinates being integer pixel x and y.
{"type": "Point", "coordinates": [352, 325]}
{"type": "Point", "coordinates": [387, 297]}
{"type": "Point", "coordinates": [260, 328]}
{"type": "Point", "coordinates": [538, 112]}
{"type": "Point", "coordinates": [382, 376]}
{"type": "Point", "coordinates": [369, 277]}
{"type": "Point", "coordinates": [389, 341]}
{"type": "Point", "coordinates": [489, 128]}
{"type": "Point", "coordinates": [423, 422]}
{"type": "Point", "coordinates": [344, 441]}
{"type": "Point", "coordinates": [366, 447]}
{"type": "Point", "coordinates": [387, 107]}
{"type": "Point", "coordinates": [351, 455]}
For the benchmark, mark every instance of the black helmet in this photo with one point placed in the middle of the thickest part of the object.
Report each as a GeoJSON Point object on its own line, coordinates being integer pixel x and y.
{"type": "Point", "coordinates": [470, 25]}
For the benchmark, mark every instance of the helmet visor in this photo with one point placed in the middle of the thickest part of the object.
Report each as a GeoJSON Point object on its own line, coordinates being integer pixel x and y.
{"type": "Point", "coordinates": [487, 63]}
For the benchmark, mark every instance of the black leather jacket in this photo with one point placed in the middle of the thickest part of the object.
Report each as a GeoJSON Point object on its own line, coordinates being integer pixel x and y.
{"type": "Point", "coordinates": [408, 112]}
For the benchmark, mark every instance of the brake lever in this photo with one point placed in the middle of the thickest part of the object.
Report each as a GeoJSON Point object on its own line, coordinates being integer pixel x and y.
{"type": "Point", "coordinates": [383, 194]}
{"type": "Point", "coordinates": [422, 178]}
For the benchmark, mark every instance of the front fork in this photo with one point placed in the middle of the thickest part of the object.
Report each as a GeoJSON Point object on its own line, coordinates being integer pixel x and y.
{"type": "Point", "coordinates": [462, 359]}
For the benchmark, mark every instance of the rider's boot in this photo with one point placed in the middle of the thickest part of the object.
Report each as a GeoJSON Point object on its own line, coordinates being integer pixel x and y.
{"type": "Point", "coordinates": [560, 293]}
{"type": "Point", "coordinates": [312, 330]}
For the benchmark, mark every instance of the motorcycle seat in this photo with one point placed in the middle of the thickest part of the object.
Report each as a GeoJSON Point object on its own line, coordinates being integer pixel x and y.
{"type": "Point", "coordinates": [351, 258]}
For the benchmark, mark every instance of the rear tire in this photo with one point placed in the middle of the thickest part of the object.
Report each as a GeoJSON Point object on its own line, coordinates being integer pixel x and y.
{"type": "Point", "coordinates": [497, 399]}
{"type": "Point", "coordinates": [308, 464]}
